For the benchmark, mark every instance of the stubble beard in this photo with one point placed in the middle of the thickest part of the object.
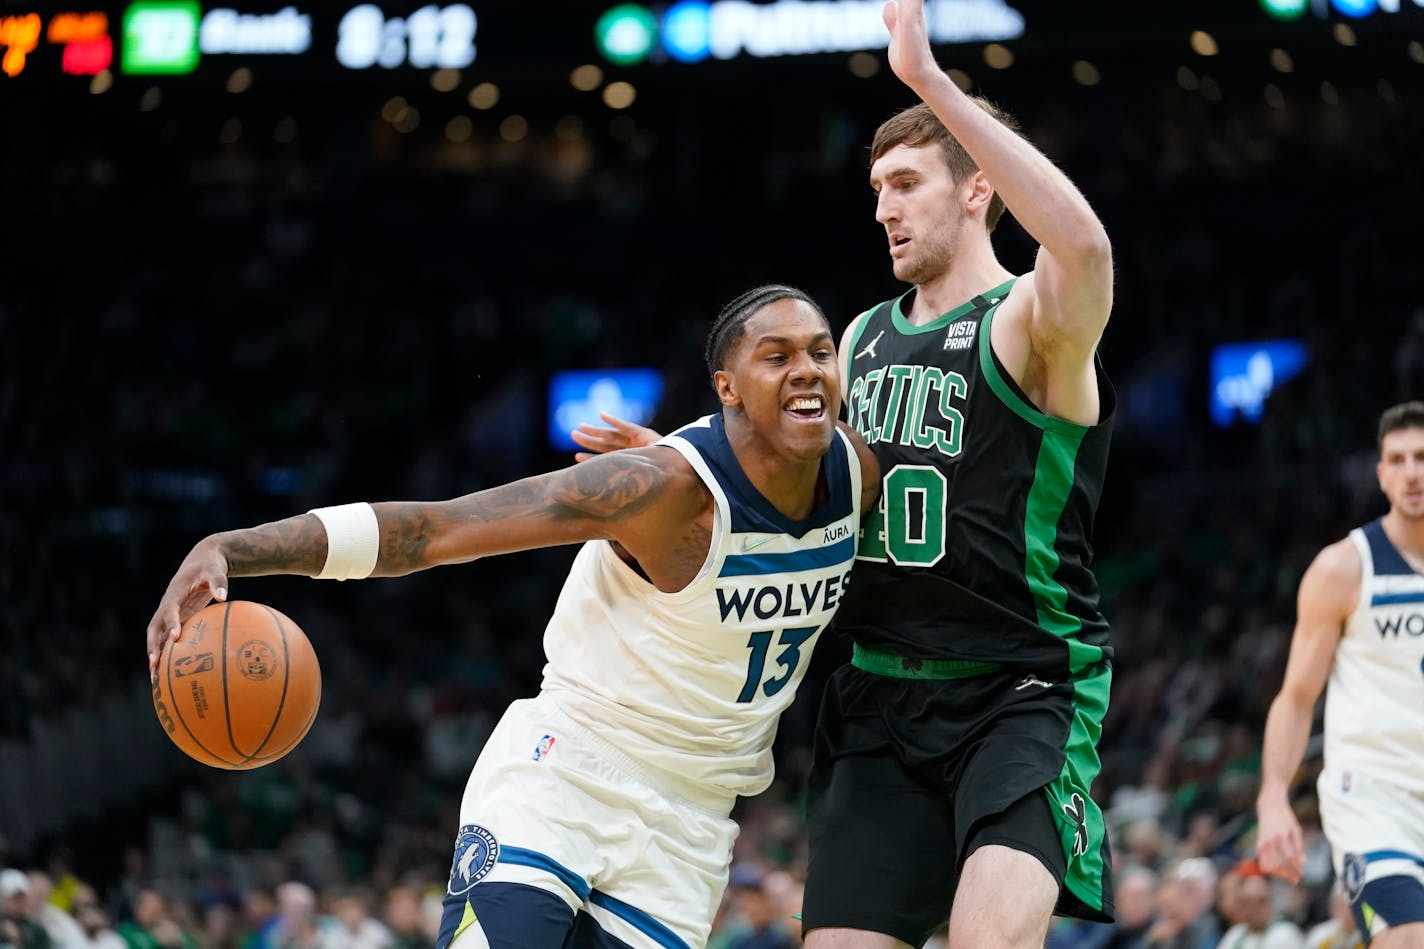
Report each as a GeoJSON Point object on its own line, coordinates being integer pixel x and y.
{"type": "Point", "coordinates": [931, 262]}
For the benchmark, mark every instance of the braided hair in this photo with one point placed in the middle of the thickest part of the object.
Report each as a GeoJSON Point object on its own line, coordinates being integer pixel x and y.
{"type": "Point", "coordinates": [730, 323]}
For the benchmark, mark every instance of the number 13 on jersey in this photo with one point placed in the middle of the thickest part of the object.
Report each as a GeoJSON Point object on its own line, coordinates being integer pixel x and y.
{"type": "Point", "coordinates": [788, 658]}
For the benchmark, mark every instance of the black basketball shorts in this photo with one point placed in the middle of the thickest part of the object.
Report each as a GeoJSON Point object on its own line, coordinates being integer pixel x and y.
{"type": "Point", "coordinates": [910, 776]}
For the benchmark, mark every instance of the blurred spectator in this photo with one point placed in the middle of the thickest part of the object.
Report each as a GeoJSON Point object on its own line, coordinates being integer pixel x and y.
{"type": "Point", "coordinates": [18, 910]}
{"type": "Point", "coordinates": [1261, 926]}
{"type": "Point", "coordinates": [786, 892]}
{"type": "Point", "coordinates": [154, 925]}
{"type": "Point", "coordinates": [757, 910]}
{"type": "Point", "coordinates": [98, 929]}
{"type": "Point", "coordinates": [298, 924]}
{"type": "Point", "coordinates": [64, 932]}
{"type": "Point", "coordinates": [1184, 918]}
{"type": "Point", "coordinates": [1340, 931]}
{"type": "Point", "coordinates": [406, 919]}
{"type": "Point", "coordinates": [1136, 902]}
{"type": "Point", "coordinates": [354, 927]}
{"type": "Point", "coordinates": [258, 919]}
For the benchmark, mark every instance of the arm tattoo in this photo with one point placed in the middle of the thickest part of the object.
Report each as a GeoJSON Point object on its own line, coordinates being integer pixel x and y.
{"type": "Point", "coordinates": [611, 490]}
{"type": "Point", "coordinates": [294, 545]}
{"type": "Point", "coordinates": [624, 486]}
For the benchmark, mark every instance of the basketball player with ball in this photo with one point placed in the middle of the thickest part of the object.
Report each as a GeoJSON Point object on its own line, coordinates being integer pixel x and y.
{"type": "Point", "coordinates": [598, 813]}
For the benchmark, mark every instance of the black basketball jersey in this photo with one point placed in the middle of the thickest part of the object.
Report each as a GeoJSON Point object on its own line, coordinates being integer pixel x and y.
{"type": "Point", "coordinates": [981, 547]}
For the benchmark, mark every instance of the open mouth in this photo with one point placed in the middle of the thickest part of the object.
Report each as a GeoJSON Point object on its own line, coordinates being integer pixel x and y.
{"type": "Point", "coordinates": [808, 407]}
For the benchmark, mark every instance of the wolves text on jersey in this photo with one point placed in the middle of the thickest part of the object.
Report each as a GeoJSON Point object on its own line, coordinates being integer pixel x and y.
{"type": "Point", "coordinates": [786, 600]}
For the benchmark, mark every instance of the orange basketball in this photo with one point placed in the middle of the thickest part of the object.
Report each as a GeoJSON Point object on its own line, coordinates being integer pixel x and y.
{"type": "Point", "coordinates": [239, 688]}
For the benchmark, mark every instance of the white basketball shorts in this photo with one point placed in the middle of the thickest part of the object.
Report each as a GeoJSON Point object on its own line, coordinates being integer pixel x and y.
{"type": "Point", "coordinates": [567, 812]}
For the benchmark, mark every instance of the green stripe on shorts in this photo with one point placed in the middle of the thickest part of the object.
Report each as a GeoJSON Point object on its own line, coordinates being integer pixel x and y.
{"type": "Point", "coordinates": [1080, 820]}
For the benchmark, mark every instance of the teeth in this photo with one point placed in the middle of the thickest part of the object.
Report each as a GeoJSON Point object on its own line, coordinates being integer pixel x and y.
{"type": "Point", "coordinates": [798, 405]}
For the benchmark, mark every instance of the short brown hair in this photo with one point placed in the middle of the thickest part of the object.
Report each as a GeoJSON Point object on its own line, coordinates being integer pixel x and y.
{"type": "Point", "coordinates": [918, 125]}
{"type": "Point", "coordinates": [1401, 416]}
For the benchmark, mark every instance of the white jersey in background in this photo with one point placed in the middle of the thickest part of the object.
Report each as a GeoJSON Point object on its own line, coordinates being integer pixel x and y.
{"type": "Point", "coordinates": [1374, 705]}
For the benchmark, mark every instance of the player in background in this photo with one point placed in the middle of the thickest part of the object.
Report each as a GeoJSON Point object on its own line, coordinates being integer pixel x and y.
{"type": "Point", "coordinates": [955, 755]}
{"type": "Point", "coordinates": [1360, 627]}
{"type": "Point", "coordinates": [598, 812]}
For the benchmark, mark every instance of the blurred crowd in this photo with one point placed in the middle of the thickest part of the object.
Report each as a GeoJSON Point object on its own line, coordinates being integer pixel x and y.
{"type": "Point", "coordinates": [204, 333]}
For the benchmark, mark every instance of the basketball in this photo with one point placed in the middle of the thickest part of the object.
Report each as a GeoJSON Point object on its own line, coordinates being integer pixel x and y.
{"type": "Point", "coordinates": [240, 687]}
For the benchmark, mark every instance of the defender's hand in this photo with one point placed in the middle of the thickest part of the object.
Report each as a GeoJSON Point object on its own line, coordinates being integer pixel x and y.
{"type": "Point", "coordinates": [201, 578]}
{"type": "Point", "coordinates": [909, 52]}
{"type": "Point", "coordinates": [620, 434]}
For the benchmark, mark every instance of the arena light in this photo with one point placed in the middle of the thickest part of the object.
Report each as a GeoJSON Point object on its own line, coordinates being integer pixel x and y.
{"type": "Point", "coordinates": [1285, 9]}
{"type": "Point", "coordinates": [1355, 8]}
{"type": "Point", "coordinates": [687, 31]}
{"type": "Point", "coordinates": [690, 31]}
{"type": "Point", "coordinates": [225, 30]}
{"type": "Point", "coordinates": [625, 34]}
{"type": "Point", "coordinates": [19, 35]}
{"type": "Point", "coordinates": [160, 37]}
{"type": "Point", "coordinates": [430, 38]}
{"type": "Point", "coordinates": [88, 49]}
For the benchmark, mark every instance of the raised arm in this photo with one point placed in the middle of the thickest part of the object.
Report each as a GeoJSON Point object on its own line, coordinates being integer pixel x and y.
{"type": "Point", "coordinates": [1327, 595]}
{"type": "Point", "coordinates": [1072, 280]}
{"type": "Point", "coordinates": [645, 499]}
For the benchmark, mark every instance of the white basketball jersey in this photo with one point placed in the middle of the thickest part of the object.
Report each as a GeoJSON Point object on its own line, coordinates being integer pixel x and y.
{"type": "Point", "coordinates": [1374, 704]}
{"type": "Point", "coordinates": [692, 683]}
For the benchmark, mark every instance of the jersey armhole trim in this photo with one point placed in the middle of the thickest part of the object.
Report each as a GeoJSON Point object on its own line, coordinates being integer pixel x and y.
{"type": "Point", "coordinates": [721, 525]}
{"type": "Point", "coordinates": [860, 323]}
{"type": "Point", "coordinates": [1008, 393]}
{"type": "Point", "coordinates": [1367, 572]}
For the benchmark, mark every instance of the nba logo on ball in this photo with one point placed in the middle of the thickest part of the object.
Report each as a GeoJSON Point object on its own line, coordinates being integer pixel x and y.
{"type": "Point", "coordinates": [476, 851]}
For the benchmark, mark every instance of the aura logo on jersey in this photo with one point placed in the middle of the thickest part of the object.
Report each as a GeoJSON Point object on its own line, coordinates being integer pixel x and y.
{"type": "Point", "coordinates": [476, 852]}
{"type": "Point", "coordinates": [898, 404]}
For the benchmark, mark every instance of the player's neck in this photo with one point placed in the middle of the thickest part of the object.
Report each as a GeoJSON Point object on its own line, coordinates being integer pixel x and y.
{"type": "Point", "coordinates": [973, 270]}
{"type": "Point", "coordinates": [1407, 536]}
{"type": "Point", "coordinates": [789, 486]}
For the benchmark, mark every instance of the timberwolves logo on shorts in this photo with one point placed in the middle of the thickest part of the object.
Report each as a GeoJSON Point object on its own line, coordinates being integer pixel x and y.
{"type": "Point", "coordinates": [476, 851]}
{"type": "Point", "coordinates": [1352, 877]}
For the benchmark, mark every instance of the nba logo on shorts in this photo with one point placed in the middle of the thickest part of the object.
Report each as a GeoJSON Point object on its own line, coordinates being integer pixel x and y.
{"type": "Point", "coordinates": [543, 747]}
{"type": "Point", "coordinates": [476, 852]}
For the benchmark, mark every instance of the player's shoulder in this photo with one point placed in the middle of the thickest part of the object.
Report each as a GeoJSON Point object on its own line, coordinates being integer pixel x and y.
{"type": "Point", "coordinates": [1331, 583]}
{"type": "Point", "coordinates": [1338, 562]}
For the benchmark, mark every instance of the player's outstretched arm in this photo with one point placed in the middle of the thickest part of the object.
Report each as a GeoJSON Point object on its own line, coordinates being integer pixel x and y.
{"type": "Point", "coordinates": [1327, 595]}
{"type": "Point", "coordinates": [638, 498]}
{"type": "Point", "coordinates": [1073, 274]}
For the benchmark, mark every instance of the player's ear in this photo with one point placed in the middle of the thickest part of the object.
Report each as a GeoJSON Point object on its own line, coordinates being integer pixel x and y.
{"type": "Point", "coordinates": [726, 385]}
{"type": "Point", "coordinates": [978, 192]}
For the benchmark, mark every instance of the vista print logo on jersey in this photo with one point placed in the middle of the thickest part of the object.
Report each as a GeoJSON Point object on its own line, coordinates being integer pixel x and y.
{"type": "Point", "coordinates": [476, 852]}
